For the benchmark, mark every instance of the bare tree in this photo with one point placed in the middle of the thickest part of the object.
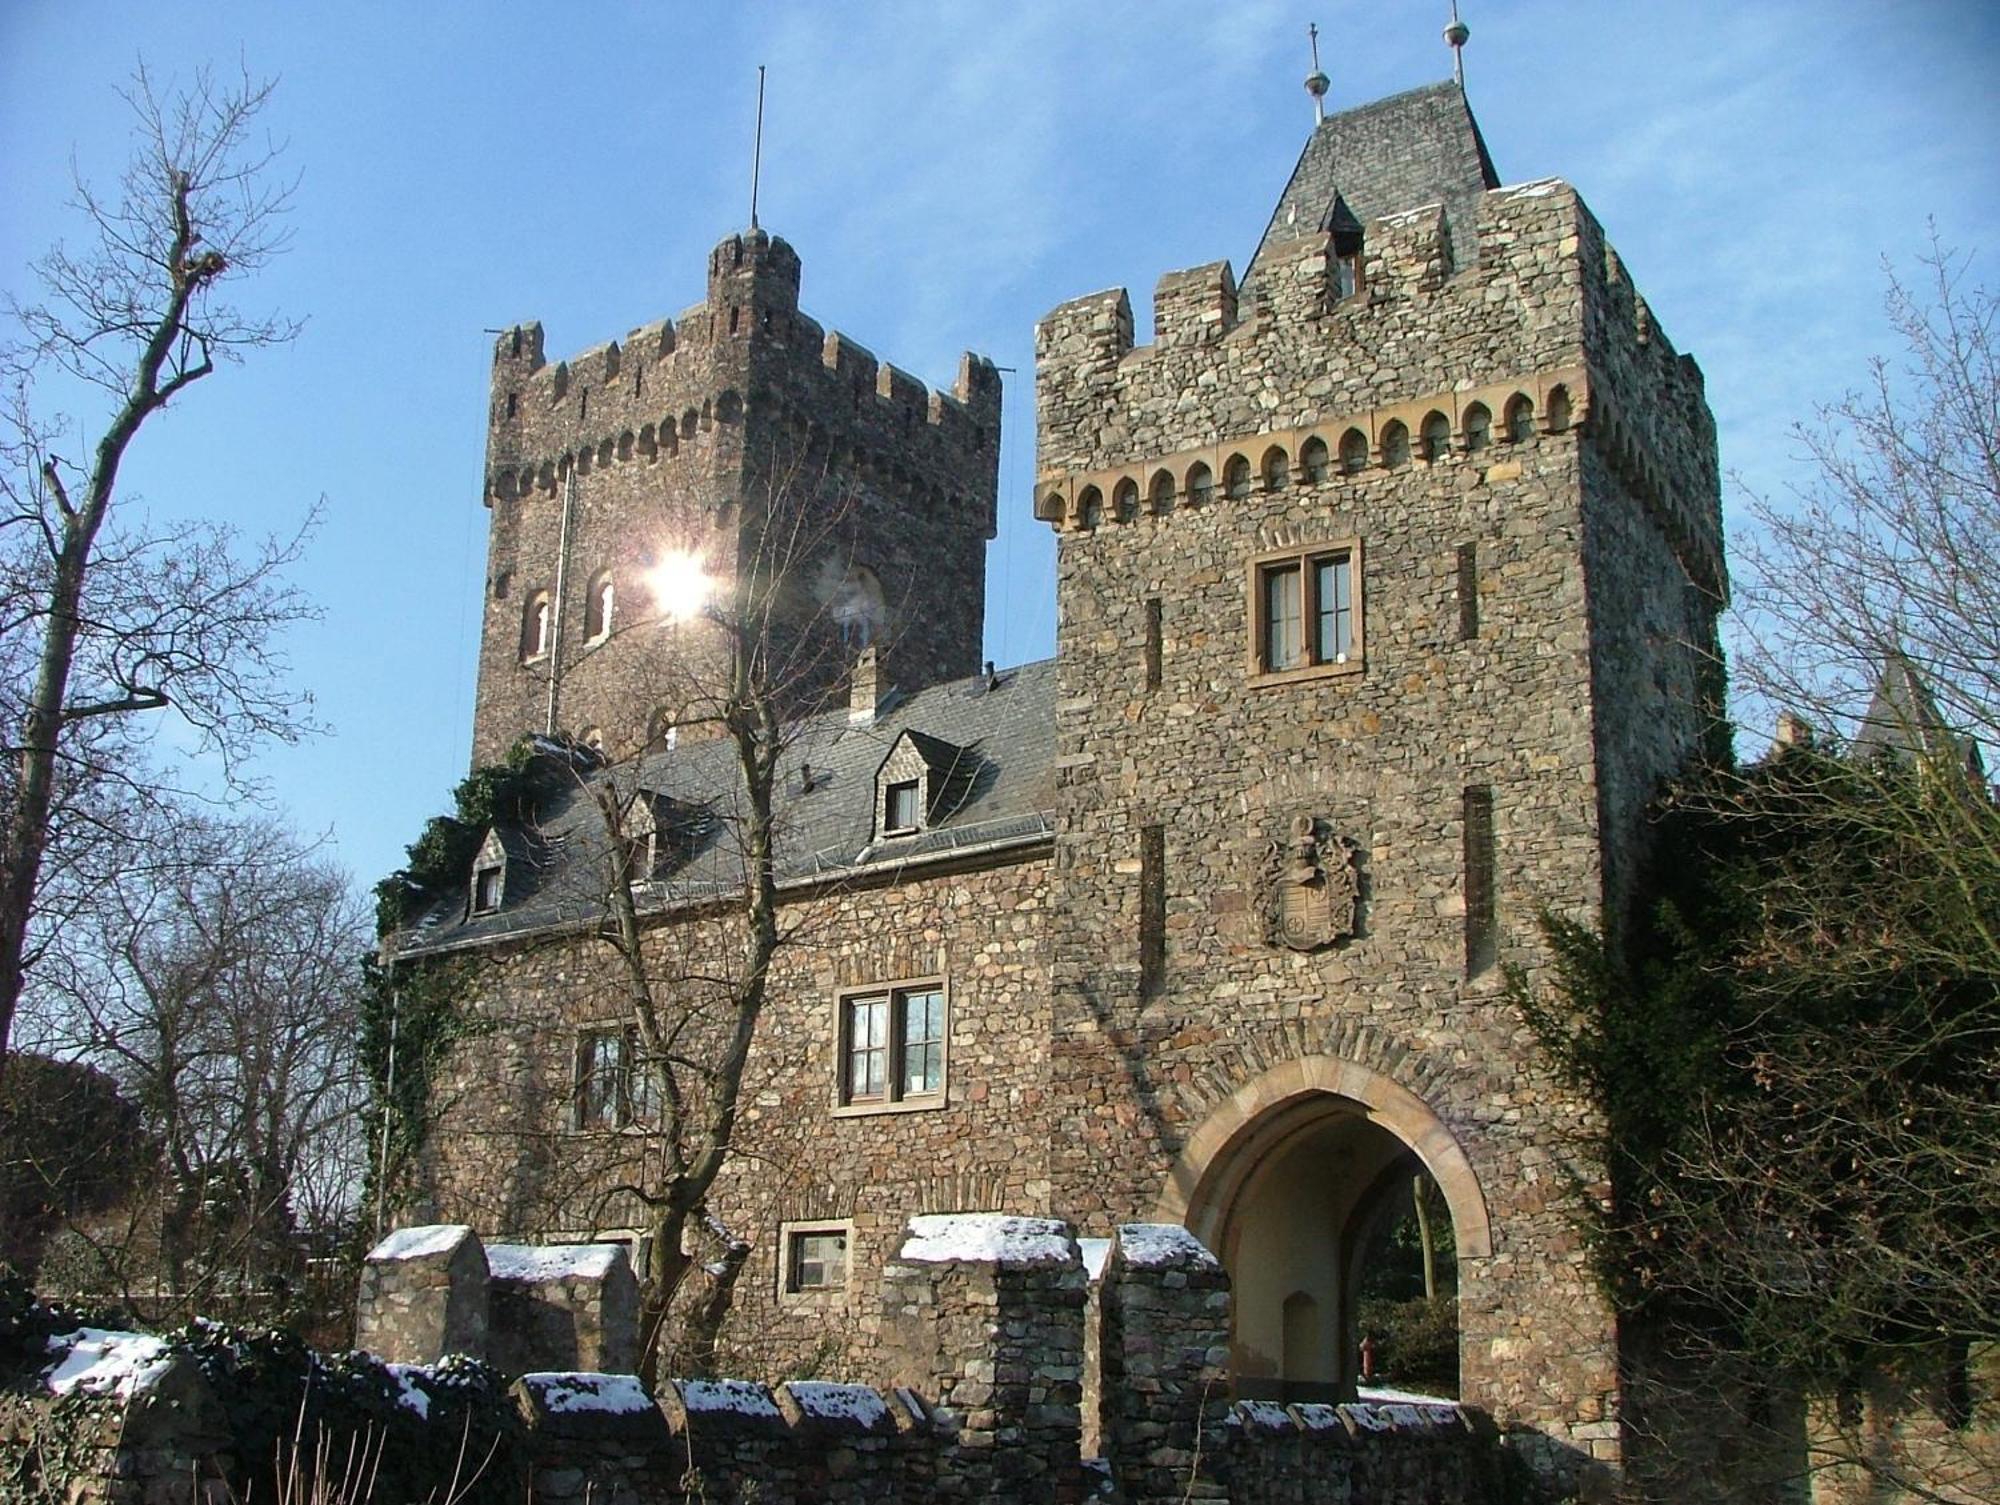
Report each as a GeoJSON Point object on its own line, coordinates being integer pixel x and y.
{"type": "Point", "coordinates": [762, 651]}
{"type": "Point", "coordinates": [106, 619]}
{"type": "Point", "coordinates": [1794, 1046]}
{"type": "Point", "coordinates": [215, 980]}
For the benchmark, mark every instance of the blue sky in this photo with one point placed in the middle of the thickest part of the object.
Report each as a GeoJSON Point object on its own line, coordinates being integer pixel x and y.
{"type": "Point", "coordinates": [947, 173]}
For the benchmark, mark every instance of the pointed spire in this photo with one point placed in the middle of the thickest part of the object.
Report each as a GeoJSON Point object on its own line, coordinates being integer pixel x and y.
{"type": "Point", "coordinates": [1317, 83]}
{"type": "Point", "coordinates": [1455, 36]}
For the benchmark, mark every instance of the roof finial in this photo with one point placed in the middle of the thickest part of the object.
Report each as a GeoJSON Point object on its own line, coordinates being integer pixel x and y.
{"type": "Point", "coordinates": [757, 151]}
{"type": "Point", "coordinates": [1317, 83]}
{"type": "Point", "coordinates": [1455, 36]}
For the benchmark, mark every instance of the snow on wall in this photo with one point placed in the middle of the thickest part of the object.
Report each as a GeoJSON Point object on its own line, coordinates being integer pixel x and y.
{"type": "Point", "coordinates": [825, 1401]}
{"type": "Point", "coordinates": [1151, 1245]}
{"type": "Point", "coordinates": [545, 1262]}
{"type": "Point", "coordinates": [422, 1242]}
{"type": "Point", "coordinates": [100, 1361]}
{"type": "Point", "coordinates": [734, 1397]}
{"type": "Point", "coordinates": [988, 1238]}
{"type": "Point", "coordinates": [569, 1392]}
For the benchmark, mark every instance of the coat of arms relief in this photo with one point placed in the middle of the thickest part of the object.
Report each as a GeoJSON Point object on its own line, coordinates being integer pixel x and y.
{"type": "Point", "coordinates": [1312, 888]}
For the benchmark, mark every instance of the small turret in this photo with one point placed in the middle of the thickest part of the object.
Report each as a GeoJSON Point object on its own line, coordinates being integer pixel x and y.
{"type": "Point", "coordinates": [753, 270]}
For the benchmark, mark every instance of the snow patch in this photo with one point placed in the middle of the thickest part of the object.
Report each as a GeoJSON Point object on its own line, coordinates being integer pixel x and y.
{"type": "Point", "coordinates": [1151, 1245]}
{"type": "Point", "coordinates": [565, 1392]}
{"type": "Point", "coordinates": [826, 1401]}
{"type": "Point", "coordinates": [1540, 188]}
{"type": "Point", "coordinates": [99, 1361]}
{"type": "Point", "coordinates": [542, 1262]}
{"type": "Point", "coordinates": [1316, 1416]}
{"type": "Point", "coordinates": [1265, 1413]}
{"type": "Point", "coordinates": [987, 1238]}
{"type": "Point", "coordinates": [1384, 1396]}
{"type": "Point", "coordinates": [737, 1397]}
{"type": "Point", "coordinates": [1096, 1252]}
{"type": "Point", "coordinates": [411, 1396]}
{"type": "Point", "coordinates": [423, 1242]}
{"type": "Point", "coordinates": [1410, 216]}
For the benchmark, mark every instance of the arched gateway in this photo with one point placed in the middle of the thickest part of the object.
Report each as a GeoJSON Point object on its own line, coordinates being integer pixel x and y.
{"type": "Point", "coordinates": [1287, 1179]}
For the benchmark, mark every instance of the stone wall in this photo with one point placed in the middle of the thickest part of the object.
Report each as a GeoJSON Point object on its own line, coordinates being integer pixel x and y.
{"type": "Point", "coordinates": [981, 1359]}
{"type": "Point", "coordinates": [510, 1158]}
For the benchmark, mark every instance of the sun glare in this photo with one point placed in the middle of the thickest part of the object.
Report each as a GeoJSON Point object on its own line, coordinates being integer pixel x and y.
{"type": "Point", "coordinates": [681, 585]}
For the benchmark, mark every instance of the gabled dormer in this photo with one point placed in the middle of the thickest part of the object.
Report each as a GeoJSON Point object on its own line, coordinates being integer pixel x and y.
{"type": "Point", "coordinates": [921, 781]}
{"type": "Point", "coordinates": [488, 888]}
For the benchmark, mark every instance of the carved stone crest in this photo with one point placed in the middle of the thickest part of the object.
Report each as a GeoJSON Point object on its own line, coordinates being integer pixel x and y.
{"type": "Point", "coordinates": [1313, 889]}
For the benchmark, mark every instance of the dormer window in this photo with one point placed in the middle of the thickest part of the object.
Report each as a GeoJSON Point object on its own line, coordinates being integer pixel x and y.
{"type": "Point", "coordinates": [921, 782]}
{"type": "Point", "coordinates": [1346, 263]}
{"type": "Point", "coordinates": [900, 810]}
{"type": "Point", "coordinates": [489, 875]}
{"type": "Point", "coordinates": [661, 832]}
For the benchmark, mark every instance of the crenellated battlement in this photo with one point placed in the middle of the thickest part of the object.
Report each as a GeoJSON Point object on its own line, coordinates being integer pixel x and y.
{"type": "Point", "coordinates": [667, 389]}
{"type": "Point", "coordinates": [1364, 365]}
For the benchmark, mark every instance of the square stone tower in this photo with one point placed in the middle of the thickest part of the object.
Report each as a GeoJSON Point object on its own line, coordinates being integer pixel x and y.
{"type": "Point", "coordinates": [1387, 591]}
{"type": "Point", "coordinates": [685, 441]}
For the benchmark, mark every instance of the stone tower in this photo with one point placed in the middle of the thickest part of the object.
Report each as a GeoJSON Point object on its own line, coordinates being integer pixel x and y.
{"type": "Point", "coordinates": [679, 440]}
{"type": "Point", "coordinates": [1388, 592]}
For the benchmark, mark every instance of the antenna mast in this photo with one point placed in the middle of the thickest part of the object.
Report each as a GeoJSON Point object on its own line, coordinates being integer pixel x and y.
{"type": "Point", "coordinates": [757, 151]}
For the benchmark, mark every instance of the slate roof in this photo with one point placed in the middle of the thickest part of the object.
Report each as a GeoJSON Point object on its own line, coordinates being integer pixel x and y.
{"type": "Point", "coordinates": [1415, 148]}
{"type": "Point", "coordinates": [1003, 737]}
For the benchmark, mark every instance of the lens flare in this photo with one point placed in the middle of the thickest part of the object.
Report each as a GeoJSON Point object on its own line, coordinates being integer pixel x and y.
{"type": "Point", "coordinates": [681, 585]}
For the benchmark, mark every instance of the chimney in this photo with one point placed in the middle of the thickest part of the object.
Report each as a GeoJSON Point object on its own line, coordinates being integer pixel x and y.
{"type": "Point", "coordinates": [1793, 731]}
{"type": "Point", "coordinates": [863, 689]}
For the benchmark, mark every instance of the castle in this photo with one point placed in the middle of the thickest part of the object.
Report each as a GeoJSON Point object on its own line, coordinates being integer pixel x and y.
{"type": "Point", "coordinates": [1387, 591]}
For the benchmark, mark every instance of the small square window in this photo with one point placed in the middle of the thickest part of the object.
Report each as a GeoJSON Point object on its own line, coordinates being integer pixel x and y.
{"type": "Point", "coordinates": [1306, 613]}
{"type": "Point", "coordinates": [814, 1259]}
{"type": "Point", "coordinates": [893, 1047]}
{"type": "Point", "coordinates": [899, 812]}
{"type": "Point", "coordinates": [817, 1260]}
{"type": "Point", "coordinates": [486, 890]}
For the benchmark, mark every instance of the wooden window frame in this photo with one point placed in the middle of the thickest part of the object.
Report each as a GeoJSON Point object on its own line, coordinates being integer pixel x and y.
{"type": "Point", "coordinates": [497, 873]}
{"type": "Point", "coordinates": [1304, 558]}
{"type": "Point", "coordinates": [892, 1098]}
{"type": "Point", "coordinates": [916, 822]}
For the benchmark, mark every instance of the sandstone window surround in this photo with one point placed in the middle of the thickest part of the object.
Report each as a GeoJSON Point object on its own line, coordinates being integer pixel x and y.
{"type": "Point", "coordinates": [537, 627]}
{"type": "Point", "coordinates": [611, 1090]}
{"type": "Point", "coordinates": [1305, 611]}
{"type": "Point", "coordinates": [815, 1260]}
{"type": "Point", "coordinates": [598, 603]}
{"type": "Point", "coordinates": [892, 1043]}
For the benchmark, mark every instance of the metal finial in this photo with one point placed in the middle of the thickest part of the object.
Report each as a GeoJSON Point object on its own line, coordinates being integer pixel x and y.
{"type": "Point", "coordinates": [1317, 83]}
{"type": "Point", "coordinates": [1455, 37]}
{"type": "Point", "coordinates": [757, 151]}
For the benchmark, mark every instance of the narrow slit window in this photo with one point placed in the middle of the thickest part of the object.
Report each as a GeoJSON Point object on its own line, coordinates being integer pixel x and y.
{"type": "Point", "coordinates": [1151, 652]}
{"type": "Point", "coordinates": [1152, 909]}
{"type": "Point", "coordinates": [1481, 938]}
{"type": "Point", "coordinates": [1468, 592]}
